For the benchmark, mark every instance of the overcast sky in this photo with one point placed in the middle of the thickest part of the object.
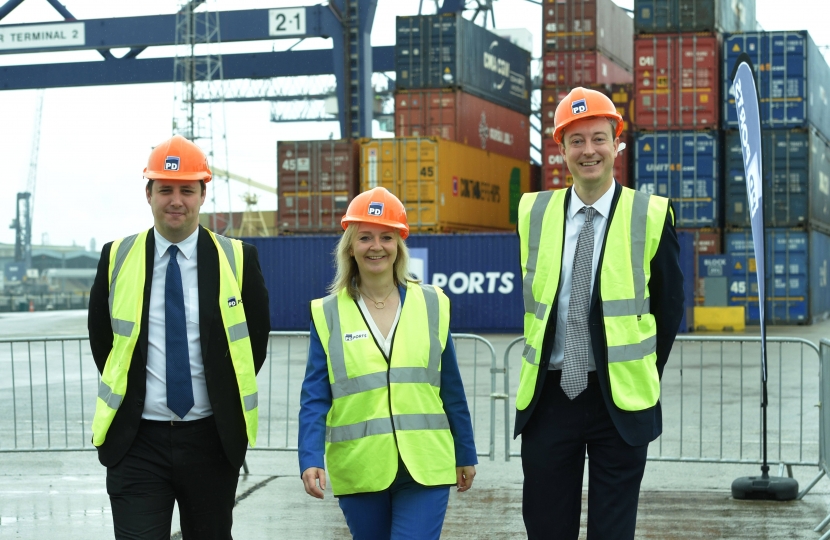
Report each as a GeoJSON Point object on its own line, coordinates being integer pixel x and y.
{"type": "Point", "coordinates": [94, 141]}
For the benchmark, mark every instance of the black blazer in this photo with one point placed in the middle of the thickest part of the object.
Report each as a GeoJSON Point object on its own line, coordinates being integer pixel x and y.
{"type": "Point", "coordinates": [667, 305]}
{"type": "Point", "coordinates": [220, 377]}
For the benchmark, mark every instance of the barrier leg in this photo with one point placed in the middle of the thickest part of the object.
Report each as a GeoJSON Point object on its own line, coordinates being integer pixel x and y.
{"type": "Point", "coordinates": [810, 486]}
{"type": "Point", "coordinates": [245, 466]}
{"type": "Point", "coordinates": [826, 536]}
{"type": "Point", "coordinates": [822, 525]}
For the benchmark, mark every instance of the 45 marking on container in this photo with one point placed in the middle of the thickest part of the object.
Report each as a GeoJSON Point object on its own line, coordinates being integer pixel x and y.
{"type": "Point", "coordinates": [42, 36]}
{"type": "Point", "coordinates": [286, 22]}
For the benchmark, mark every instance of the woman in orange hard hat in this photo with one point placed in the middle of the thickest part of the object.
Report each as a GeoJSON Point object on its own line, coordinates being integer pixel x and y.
{"type": "Point", "coordinates": [382, 396]}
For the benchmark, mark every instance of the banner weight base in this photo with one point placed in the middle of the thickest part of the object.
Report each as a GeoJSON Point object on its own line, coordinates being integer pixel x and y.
{"type": "Point", "coordinates": [765, 488]}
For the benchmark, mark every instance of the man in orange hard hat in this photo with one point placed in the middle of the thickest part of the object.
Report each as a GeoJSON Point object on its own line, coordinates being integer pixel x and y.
{"type": "Point", "coordinates": [603, 301]}
{"type": "Point", "coordinates": [178, 327]}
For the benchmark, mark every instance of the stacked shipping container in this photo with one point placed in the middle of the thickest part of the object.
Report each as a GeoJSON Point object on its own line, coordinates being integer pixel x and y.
{"type": "Point", "coordinates": [587, 43]}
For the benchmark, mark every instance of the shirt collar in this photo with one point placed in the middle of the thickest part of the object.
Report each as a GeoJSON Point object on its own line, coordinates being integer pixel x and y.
{"type": "Point", "coordinates": [602, 206]}
{"type": "Point", "coordinates": [186, 246]}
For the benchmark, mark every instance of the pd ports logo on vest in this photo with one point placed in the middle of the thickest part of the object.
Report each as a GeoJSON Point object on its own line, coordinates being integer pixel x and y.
{"type": "Point", "coordinates": [232, 301]}
{"type": "Point", "coordinates": [579, 106]}
{"type": "Point", "coordinates": [354, 336]}
{"type": "Point", "coordinates": [171, 163]}
{"type": "Point", "coordinates": [376, 209]}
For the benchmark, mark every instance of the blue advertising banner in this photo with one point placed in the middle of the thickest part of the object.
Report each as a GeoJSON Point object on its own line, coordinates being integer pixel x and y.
{"type": "Point", "coordinates": [749, 127]}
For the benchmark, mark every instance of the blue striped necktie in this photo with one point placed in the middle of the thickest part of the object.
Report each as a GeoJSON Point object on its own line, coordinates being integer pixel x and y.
{"type": "Point", "coordinates": [179, 382]}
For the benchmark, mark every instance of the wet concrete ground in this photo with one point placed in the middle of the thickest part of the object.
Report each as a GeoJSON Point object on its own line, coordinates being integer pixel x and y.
{"type": "Point", "coordinates": [63, 495]}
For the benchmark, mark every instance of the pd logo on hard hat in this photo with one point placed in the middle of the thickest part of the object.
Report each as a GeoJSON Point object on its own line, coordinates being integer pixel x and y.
{"type": "Point", "coordinates": [579, 106]}
{"type": "Point", "coordinates": [171, 163]}
{"type": "Point", "coordinates": [376, 209]}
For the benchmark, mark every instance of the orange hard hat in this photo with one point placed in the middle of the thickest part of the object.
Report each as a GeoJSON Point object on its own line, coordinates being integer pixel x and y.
{"type": "Point", "coordinates": [177, 159]}
{"type": "Point", "coordinates": [582, 103]}
{"type": "Point", "coordinates": [377, 206]}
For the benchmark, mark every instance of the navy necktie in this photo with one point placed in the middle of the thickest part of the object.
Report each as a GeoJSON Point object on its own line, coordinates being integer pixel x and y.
{"type": "Point", "coordinates": [179, 382]}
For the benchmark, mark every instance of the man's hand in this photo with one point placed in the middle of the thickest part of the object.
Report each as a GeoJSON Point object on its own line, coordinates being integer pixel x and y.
{"type": "Point", "coordinates": [463, 477]}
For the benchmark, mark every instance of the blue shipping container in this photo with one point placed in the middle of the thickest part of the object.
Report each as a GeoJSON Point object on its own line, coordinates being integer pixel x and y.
{"type": "Point", "coordinates": [448, 51]}
{"type": "Point", "coordinates": [670, 16]}
{"type": "Point", "coordinates": [791, 74]}
{"type": "Point", "coordinates": [796, 275]}
{"type": "Point", "coordinates": [713, 265]}
{"type": "Point", "coordinates": [479, 272]}
{"type": "Point", "coordinates": [687, 266]}
{"type": "Point", "coordinates": [682, 165]}
{"type": "Point", "coordinates": [796, 173]}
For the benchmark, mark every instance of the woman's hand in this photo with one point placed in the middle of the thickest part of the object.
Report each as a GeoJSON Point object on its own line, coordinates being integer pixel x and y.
{"type": "Point", "coordinates": [314, 475]}
{"type": "Point", "coordinates": [463, 477]}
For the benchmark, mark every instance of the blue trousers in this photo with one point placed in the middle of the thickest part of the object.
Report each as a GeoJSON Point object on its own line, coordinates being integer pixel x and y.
{"type": "Point", "coordinates": [404, 511]}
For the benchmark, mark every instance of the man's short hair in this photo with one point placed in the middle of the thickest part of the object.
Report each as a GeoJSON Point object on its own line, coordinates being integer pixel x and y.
{"type": "Point", "coordinates": [150, 185]}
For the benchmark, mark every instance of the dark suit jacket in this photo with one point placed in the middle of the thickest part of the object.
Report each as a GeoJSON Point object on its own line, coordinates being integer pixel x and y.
{"type": "Point", "coordinates": [220, 377]}
{"type": "Point", "coordinates": [667, 304]}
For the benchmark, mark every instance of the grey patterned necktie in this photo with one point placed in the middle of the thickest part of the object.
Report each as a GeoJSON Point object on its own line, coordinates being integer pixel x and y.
{"type": "Point", "coordinates": [577, 337]}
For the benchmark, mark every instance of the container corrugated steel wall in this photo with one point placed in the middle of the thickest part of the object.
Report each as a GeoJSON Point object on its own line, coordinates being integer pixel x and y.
{"type": "Point", "coordinates": [479, 272]}
{"type": "Point", "coordinates": [621, 94]}
{"type": "Point", "coordinates": [687, 266]}
{"type": "Point", "coordinates": [682, 165]}
{"type": "Point", "coordinates": [448, 51]}
{"type": "Point", "coordinates": [315, 182]}
{"type": "Point", "coordinates": [791, 75]}
{"type": "Point", "coordinates": [462, 117]}
{"type": "Point", "coordinates": [446, 186]}
{"type": "Point", "coordinates": [556, 175]}
{"type": "Point", "coordinates": [676, 81]}
{"type": "Point", "coordinates": [796, 171]}
{"type": "Point", "coordinates": [581, 68]}
{"type": "Point", "coordinates": [667, 16]}
{"type": "Point", "coordinates": [796, 275]}
{"type": "Point", "coordinates": [588, 25]}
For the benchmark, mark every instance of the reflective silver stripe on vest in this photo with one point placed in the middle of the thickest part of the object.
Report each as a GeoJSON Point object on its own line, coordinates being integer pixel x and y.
{"type": "Point", "coordinates": [227, 247]}
{"type": "Point", "coordinates": [344, 386]}
{"type": "Point", "coordinates": [238, 331]}
{"type": "Point", "coordinates": [635, 351]}
{"type": "Point", "coordinates": [537, 215]}
{"type": "Point", "coordinates": [119, 326]}
{"type": "Point", "coordinates": [639, 218]}
{"type": "Point", "coordinates": [431, 298]}
{"type": "Point", "coordinates": [113, 401]}
{"type": "Point", "coordinates": [251, 401]}
{"type": "Point", "coordinates": [382, 426]}
{"type": "Point", "coordinates": [529, 354]}
{"type": "Point", "coordinates": [621, 308]}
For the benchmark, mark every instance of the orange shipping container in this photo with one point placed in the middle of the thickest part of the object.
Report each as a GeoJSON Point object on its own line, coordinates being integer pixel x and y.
{"type": "Point", "coordinates": [462, 117]}
{"type": "Point", "coordinates": [445, 185]}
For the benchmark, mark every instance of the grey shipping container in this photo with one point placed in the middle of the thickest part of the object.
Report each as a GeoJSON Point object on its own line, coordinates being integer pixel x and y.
{"type": "Point", "coordinates": [448, 51]}
{"type": "Point", "coordinates": [792, 77]}
{"type": "Point", "coordinates": [479, 272]}
{"type": "Point", "coordinates": [670, 16]}
{"type": "Point", "coordinates": [589, 25]}
{"type": "Point", "coordinates": [796, 173]}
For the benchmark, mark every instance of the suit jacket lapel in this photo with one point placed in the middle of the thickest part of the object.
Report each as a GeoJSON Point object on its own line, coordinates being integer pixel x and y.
{"type": "Point", "coordinates": [207, 264]}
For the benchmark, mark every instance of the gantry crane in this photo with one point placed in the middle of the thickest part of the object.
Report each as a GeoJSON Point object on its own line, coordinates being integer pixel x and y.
{"type": "Point", "coordinates": [22, 223]}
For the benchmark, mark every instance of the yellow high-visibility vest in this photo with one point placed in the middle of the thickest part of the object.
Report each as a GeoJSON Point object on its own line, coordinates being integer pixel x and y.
{"type": "Point", "coordinates": [380, 409]}
{"type": "Point", "coordinates": [630, 329]}
{"type": "Point", "coordinates": [127, 265]}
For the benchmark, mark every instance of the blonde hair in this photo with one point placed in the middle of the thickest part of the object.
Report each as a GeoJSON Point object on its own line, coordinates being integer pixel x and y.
{"type": "Point", "coordinates": [347, 275]}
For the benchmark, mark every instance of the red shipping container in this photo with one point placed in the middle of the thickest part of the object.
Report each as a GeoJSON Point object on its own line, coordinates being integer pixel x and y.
{"type": "Point", "coordinates": [555, 173]}
{"type": "Point", "coordinates": [581, 68]}
{"type": "Point", "coordinates": [621, 94]}
{"type": "Point", "coordinates": [589, 25]}
{"type": "Point", "coordinates": [462, 117]}
{"type": "Point", "coordinates": [316, 180]}
{"type": "Point", "coordinates": [676, 81]}
{"type": "Point", "coordinates": [706, 242]}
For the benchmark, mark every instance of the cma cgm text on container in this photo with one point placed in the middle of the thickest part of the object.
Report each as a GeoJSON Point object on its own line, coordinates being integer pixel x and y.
{"type": "Point", "coordinates": [479, 272]}
{"type": "Point", "coordinates": [448, 51]}
{"type": "Point", "coordinates": [588, 25]}
{"type": "Point", "coordinates": [669, 16]}
{"type": "Point", "coordinates": [444, 185]}
{"type": "Point", "coordinates": [792, 77]}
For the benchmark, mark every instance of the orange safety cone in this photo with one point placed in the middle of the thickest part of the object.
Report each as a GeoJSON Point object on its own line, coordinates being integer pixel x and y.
{"type": "Point", "coordinates": [31, 305]}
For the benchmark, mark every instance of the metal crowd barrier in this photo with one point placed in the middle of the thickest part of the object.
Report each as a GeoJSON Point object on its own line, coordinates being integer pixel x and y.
{"type": "Point", "coordinates": [48, 388]}
{"type": "Point", "coordinates": [824, 428]}
{"type": "Point", "coordinates": [711, 396]}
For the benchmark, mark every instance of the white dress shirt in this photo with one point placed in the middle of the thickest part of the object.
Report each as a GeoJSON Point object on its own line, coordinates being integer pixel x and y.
{"type": "Point", "coordinates": [385, 342]}
{"type": "Point", "coordinates": [573, 224]}
{"type": "Point", "coordinates": [155, 400]}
